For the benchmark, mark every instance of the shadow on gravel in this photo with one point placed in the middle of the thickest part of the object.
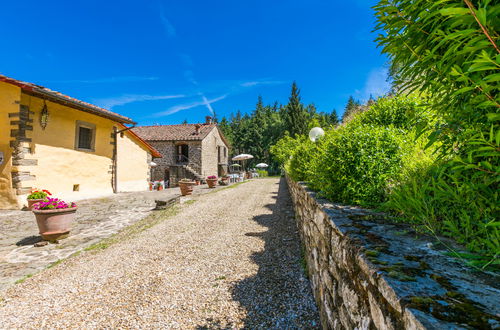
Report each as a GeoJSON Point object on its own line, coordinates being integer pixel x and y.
{"type": "Point", "coordinates": [279, 295]}
{"type": "Point", "coordinates": [30, 240]}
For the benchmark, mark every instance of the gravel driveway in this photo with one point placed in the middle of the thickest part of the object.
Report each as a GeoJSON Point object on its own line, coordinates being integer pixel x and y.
{"type": "Point", "coordinates": [231, 259]}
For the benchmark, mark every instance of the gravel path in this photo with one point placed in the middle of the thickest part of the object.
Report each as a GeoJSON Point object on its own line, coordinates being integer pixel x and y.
{"type": "Point", "coordinates": [229, 260]}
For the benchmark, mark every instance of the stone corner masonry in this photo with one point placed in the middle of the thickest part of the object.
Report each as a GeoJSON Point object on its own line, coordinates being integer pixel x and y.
{"type": "Point", "coordinates": [20, 123]}
{"type": "Point", "coordinates": [367, 272]}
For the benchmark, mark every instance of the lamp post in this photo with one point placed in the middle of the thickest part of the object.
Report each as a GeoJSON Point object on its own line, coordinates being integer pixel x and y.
{"type": "Point", "coordinates": [152, 165]}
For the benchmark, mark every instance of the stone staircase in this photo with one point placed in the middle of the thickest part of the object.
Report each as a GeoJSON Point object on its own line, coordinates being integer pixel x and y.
{"type": "Point", "coordinates": [193, 172]}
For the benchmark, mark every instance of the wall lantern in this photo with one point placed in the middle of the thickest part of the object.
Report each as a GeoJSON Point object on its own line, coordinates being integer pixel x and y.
{"type": "Point", "coordinates": [315, 133]}
{"type": "Point", "coordinates": [44, 115]}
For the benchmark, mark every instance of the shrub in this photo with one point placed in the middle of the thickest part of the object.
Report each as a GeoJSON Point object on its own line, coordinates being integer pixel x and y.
{"type": "Point", "coordinates": [355, 164]}
{"type": "Point", "coordinates": [262, 173]}
{"type": "Point", "coordinates": [457, 198]}
{"type": "Point", "coordinates": [283, 150]}
{"type": "Point", "coordinates": [403, 112]}
{"type": "Point", "coordinates": [300, 166]}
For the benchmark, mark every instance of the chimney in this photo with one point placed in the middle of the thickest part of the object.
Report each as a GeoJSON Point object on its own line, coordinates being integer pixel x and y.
{"type": "Point", "coordinates": [197, 129]}
{"type": "Point", "coordinates": [208, 120]}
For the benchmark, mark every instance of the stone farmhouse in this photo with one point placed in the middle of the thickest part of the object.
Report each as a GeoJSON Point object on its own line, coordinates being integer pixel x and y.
{"type": "Point", "coordinates": [72, 148]}
{"type": "Point", "coordinates": [192, 151]}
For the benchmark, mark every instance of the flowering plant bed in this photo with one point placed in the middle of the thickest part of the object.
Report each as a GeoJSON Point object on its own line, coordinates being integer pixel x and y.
{"type": "Point", "coordinates": [54, 218]}
{"type": "Point", "coordinates": [211, 181]}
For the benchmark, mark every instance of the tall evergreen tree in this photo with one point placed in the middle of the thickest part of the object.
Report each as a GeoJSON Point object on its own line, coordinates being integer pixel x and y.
{"type": "Point", "coordinates": [351, 107]}
{"type": "Point", "coordinates": [333, 118]}
{"type": "Point", "coordinates": [295, 115]}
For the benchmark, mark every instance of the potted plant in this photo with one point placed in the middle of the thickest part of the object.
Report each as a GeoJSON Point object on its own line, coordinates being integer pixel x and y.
{"type": "Point", "coordinates": [37, 196]}
{"type": "Point", "coordinates": [159, 186]}
{"type": "Point", "coordinates": [212, 181]}
{"type": "Point", "coordinates": [224, 181]}
{"type": "Point", "coordinates": [54, 218]}
{"type": "Point", "coordinates": [186, 186]}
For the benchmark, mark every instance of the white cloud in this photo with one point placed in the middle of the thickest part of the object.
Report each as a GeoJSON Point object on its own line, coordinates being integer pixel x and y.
{"type": "Point", "coordinates": [204, 102]}
{"type": "Point", "coordinates": [111, 102]}
{"type": "Point", "coordinates": [376, 85]}
{"type": "Point", "coordinates": [169, 28]}
{"type": "Point", "coordinates": [207, 104]}
{"type": "Point", "coordinates": [261, 82]}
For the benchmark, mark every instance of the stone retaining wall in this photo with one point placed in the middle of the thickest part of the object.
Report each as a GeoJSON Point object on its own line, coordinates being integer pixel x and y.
{"type": "Point", "coordinates": [367, 272]}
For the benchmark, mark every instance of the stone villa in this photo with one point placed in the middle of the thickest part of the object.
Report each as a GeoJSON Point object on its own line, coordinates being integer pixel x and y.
{"type": "Point", "coordinates": [192, 151]}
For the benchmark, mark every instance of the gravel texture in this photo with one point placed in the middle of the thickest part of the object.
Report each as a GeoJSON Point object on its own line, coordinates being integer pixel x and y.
{"type": "Point", "coordinates": [231, 259]}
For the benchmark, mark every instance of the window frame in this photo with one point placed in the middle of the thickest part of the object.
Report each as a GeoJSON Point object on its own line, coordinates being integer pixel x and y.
{"type": "Point", "coordinates": [87, 125]}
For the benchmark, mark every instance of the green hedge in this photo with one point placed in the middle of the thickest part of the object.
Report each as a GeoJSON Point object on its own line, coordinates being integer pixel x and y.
{"type": "Point", "coordinates": [377, 160]}
{"type": "Point", "coordinates": [358, 162]}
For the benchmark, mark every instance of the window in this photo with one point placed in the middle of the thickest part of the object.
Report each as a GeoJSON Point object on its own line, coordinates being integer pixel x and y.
{"type": "Point", "coordinates": [85, 136]}
{"type": "Point", "coordinates": [182, 153]}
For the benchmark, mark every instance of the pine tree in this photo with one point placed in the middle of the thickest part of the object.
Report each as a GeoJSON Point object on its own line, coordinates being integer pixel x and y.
{"type": "Point", "coordinates": [295, 115]}
{"type": "Point", "coordinates": [333, 118]}
{"type": "Point", "coordinates": [351, 107]}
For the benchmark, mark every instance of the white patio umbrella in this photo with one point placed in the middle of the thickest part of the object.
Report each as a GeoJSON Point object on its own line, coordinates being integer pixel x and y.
{"type": "Point", "coordinates": [242, 157]}
{"type": "Point", "coordinates": [261, 165]}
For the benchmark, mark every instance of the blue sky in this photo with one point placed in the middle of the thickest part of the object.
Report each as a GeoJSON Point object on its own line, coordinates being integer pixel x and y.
{"type": "Point", "coordinates": [166, 61]}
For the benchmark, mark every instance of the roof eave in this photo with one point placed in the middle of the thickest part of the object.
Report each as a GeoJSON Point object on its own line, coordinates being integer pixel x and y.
{"type": "Point", "coordinates": [79, 106]}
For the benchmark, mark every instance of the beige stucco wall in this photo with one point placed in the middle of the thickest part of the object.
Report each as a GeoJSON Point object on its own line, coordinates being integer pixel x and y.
{"type": "Point", "coordinates": [209, 157]}
{"type": "Point", "coordinates": [9, 103]}
{"type": "Point", "coordinates": [133, 167]}
{"type": "Point", "coordinates": [60, 166]}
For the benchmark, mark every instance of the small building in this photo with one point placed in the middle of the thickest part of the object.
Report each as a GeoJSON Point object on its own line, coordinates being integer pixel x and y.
{"type": "Point", "coordinates": [192, 151]}
{"type": "Point", "coordinates": [74, 149]}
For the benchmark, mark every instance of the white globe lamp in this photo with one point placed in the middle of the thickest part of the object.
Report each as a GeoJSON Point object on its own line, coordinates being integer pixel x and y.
{"type": "Point", "coordinates": [315, 133]}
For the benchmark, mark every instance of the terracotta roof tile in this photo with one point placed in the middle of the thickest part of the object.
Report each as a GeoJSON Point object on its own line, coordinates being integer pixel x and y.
{"type": "Point", "coordinates": [57, 97]}
{"type": "Point", "coordinates": [182, 132]}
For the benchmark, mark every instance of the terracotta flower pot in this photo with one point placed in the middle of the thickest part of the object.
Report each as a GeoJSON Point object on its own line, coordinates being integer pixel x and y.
{"type": "Point", "coordinates": [186, 187]}
{"type": "Point", "coordinates": [32, 202]}
{"type": "Point", "coordinates": [211, 183]}
{"type": "Point", "coordinates": [56, 223]}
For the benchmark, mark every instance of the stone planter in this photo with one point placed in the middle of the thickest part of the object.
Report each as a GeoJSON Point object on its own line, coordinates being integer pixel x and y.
{"type": "Point", "coordinates": [186, 187]}
{"type": "Point", "coordinates": [211, 183]}
{"type": "Point", "coordinates": [56, 223]}
{"type": "Point", "coordinates": [32, 202]}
